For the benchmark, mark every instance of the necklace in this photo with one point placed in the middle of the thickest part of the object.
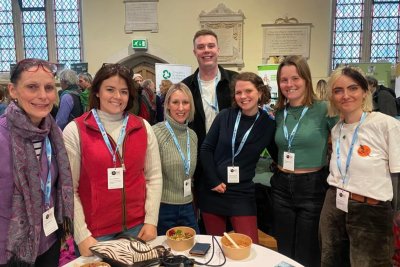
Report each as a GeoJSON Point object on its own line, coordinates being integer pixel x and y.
{"type": "Point", "coordinates": [295, 112]}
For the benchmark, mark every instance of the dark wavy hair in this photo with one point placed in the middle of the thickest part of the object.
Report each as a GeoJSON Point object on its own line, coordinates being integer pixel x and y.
{"type": "Point", "coordinates": [257, 82]}
{"type": "Point", "coordinates": [108, 71]}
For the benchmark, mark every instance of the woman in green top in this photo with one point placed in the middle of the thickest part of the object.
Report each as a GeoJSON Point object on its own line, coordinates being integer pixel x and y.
{"type": "Point", "coordinates": [299, 186]}
{"type": "Point", "coordinates": [178, 152]}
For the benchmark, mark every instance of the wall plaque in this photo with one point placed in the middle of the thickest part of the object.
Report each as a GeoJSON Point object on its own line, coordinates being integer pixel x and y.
{"type": "Point", "coordinates": [228, 26]}
{"type": "Point", "coordinates": [141, 15]}
{"type": "Point", "coordinates": [286, 39]}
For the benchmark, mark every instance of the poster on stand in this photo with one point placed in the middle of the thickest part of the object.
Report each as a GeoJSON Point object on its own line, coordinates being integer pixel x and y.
{"type": "Point", "coordinates": [173, 72]}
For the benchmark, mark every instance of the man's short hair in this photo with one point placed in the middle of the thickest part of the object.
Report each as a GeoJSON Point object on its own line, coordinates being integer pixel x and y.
{"type": "Point", "coordinates": [204, 32]}
{"type": "Point", "coordinates": [86, 76]}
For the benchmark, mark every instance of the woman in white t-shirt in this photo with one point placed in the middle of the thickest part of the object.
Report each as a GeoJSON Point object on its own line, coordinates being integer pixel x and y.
{"type": "Point", "coordinates": [356, 219]}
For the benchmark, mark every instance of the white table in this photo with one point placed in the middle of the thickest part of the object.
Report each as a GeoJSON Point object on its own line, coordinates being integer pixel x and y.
{"type": "Point", "coordinates": [259, 255]}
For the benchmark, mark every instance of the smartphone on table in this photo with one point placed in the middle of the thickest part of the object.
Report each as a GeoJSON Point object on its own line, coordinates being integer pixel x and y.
{"type": "Point", "coordinates": [199, 249]}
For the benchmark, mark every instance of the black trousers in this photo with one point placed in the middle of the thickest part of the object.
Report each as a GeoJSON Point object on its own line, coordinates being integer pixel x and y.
{"type": "Point", "coordinates": [297, 202]}
{"type": "Point", "coordinates": [48, 259]}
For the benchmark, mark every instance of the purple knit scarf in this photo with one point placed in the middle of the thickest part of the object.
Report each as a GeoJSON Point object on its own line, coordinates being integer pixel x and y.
{"type": "Point", "coordinates": [26, 218]}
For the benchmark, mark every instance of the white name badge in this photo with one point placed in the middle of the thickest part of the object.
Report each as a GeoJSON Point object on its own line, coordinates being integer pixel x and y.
{"type": "Point", "coordinates": [49, 222]}
{"type": "Point", "coordinates": [288, 161]}
{"type": "Point", "coordinates": [342, 200]}
{"type": "Point", "coordinates": [233, 174]}
{"type": "Point", "coordinates": [187, 188]}
{"type": "Point", "coordinates": [115, 178]}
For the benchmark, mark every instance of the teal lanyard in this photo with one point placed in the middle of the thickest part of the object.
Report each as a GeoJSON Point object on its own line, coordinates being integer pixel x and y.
{"type": "Point", "coordinates": [105, 136]}
{"type": "Point", "coordinates": [186, 161]}
{"type": "Point", "coordinates": [47, 188]}
{"type": "Point", "coordinates": [350, 154]}
{"type": "Point", "coordinates": [215, 105]}
{"type": "Point", "coordinates": [245, 136]}
{"type": "Point", "coordinates": [290, 138]}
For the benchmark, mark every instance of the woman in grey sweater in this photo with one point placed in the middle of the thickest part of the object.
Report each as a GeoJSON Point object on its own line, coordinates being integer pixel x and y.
{"type": "Point", "coordinates": [178, 153]}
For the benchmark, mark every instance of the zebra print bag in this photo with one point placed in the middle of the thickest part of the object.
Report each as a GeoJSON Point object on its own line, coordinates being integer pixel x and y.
{"type": "Point", "coordinates": [129, 252]}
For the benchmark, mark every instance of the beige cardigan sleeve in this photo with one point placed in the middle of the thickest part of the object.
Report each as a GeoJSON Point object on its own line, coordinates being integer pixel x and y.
{"type": "Point", "coordinates": [152, 172]}
{"type": "Point", "coordinates": [72, 144]}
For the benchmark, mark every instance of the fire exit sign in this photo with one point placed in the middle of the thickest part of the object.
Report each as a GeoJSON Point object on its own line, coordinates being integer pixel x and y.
{"type": "Point", "coordinates": [139, 44]}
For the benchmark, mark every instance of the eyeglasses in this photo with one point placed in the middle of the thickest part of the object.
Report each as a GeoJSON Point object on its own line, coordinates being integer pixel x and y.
{"type": "Point", "coordinates": [32, 65]}
{"type": "Point", "coordinates": [118, 68]}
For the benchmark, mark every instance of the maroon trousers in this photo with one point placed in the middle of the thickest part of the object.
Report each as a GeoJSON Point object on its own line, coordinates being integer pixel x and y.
{"type": "Point", "coordinates": [216, 225]}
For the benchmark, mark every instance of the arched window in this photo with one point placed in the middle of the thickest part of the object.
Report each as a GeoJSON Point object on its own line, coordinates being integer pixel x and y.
{"type": "Point", "coordinates": [46, 29]}
{"type": "Point", "coordinates": [365, 31]}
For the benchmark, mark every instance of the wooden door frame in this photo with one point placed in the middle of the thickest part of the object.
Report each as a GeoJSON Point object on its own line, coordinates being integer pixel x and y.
{"type": "Point", "coordinates": [142, 63]}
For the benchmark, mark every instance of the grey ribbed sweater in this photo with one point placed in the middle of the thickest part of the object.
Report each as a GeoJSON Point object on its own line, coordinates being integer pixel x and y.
{"type": "Point", "coordinates": [173, 172]}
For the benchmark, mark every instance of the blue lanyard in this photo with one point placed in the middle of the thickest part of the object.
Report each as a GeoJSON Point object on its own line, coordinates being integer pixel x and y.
{"type": "Point", "coordinates": [215, 105]}
{"type": "Point", "coordinates": [239, 115]}
{"type": "Point", "coordinates": [105, 136]}
{"type": "Point", "coordinates": [349, 155]}
{"type": "Point", "coordinates": [47, 189]}
{"type": "Point", "coordinates": [293, 133]}
{"type": "Point", "coordinates": [186, 161]}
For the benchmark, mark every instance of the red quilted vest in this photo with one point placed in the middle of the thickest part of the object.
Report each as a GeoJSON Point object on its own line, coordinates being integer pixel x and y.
{"type": "Point", "coordinates": [112, 211]}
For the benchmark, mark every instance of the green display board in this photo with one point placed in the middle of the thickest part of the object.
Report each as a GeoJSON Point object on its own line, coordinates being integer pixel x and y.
{"type": "Point", "coordinates": [381, 71]}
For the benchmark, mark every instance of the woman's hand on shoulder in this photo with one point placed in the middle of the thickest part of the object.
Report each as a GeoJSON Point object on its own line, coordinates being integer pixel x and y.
{"type": "Point", "coordinates": [148, 232]}
{"type": "Point", "coordinates": [85, 245]}
{"type": "Point", "coordinates": [221, 188]}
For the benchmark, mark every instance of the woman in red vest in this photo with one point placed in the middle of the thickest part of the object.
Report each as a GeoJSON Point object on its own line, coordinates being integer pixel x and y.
{"type": "Point", "coordinates": [115, 164]}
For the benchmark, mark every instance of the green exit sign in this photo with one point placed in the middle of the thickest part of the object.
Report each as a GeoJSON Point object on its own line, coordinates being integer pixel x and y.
{"type": "Point", "coordinates": [139, 44]}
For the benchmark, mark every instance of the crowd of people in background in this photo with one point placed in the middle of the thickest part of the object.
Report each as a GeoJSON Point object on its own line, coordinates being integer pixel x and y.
{"type": "Point", "coordinates": [117, 158]}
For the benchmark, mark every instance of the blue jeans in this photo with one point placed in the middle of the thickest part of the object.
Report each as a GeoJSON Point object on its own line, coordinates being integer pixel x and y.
{"type": "Point", "coordinates": [133, 232]}
{"type": "Point", "coordinates": [176, 215]}
{"type": "Point", "coordinates": [297, 203]}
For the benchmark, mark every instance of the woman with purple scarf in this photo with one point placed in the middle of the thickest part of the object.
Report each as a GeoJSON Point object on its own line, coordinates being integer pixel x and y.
{"type": "Point", "coordinates": [36, 197]}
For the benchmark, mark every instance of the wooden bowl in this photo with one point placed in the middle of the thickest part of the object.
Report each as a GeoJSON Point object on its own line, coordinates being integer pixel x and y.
{"type": "Point", "coordinates": [96, 264]}
{"type": "Point", "coordinates": [233, 253]}
{"type": "Point", "coordinates": [183, 243]}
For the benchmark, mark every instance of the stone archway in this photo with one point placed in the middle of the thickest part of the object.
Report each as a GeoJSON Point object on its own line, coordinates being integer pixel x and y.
{"type": "Point", "coordinates": [142, 63]}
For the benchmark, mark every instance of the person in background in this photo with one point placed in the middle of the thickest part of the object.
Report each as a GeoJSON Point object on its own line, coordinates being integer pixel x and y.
{"type": "Point", "coordinates": [210, 87]}
{"type": "Point", "coordinates": [321, 90]}
{"type": "Point", "coordinates": [229, 155]}
{"type": "Point", "coordinates": [356, 219]}
{"type": "Point", "coordinates": [36, 197]}
{"type": "Point", "coordinates": [137, 78]}
{"type": "Point", "coordinates": [164, 86]}
{"type": "Point", "coordinates": [178, 152]}
{"type": "Point", "coordinates": [3, 100]}
{"type": "Point", "coordinates": [85, 82]}
{"type": "Point", "coordinates": [299, 185]}
{"type": "Point", "coordinates": [70, 104]}
{"type": "Point", "coordinates": [118, 190]}
{"type": "Point", "coordinates": [148, 102]}
{"type": "Point", "coordinates": [384, 99]}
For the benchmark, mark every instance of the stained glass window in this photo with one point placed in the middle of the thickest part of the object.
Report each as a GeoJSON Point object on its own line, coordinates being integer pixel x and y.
{"type": "Point", "coordinates": [7, 44]}
{"type": "Point", "coordinates": [366, 31]}
{"type": "Point", "coordinates": [67, 26]}
{"type": "Point", "coordinates": [48, 30]}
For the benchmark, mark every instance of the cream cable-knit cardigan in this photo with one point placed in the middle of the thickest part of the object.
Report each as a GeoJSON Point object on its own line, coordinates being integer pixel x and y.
{"type": "Point", "coordinates": [152, 171]}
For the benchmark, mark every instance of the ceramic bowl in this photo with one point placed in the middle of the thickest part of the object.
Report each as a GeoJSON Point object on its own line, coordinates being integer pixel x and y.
{"type": "Point", "coordinates": [177, 240]}
{"type": "Point", "coordinates": [233, 253]}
